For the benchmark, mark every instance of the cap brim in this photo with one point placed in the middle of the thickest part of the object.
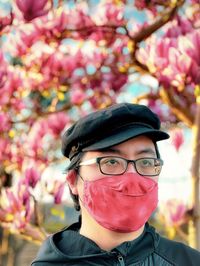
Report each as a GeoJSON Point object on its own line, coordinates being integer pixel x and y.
{"type": "Point", "coordinates": [125, 134]}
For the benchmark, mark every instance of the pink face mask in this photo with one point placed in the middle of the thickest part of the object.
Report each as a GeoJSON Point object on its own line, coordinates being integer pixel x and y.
{"type": "Point", "coordinates": [121, 203]}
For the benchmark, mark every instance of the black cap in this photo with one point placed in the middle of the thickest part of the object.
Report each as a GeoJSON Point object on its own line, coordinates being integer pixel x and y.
{"type": "Point", "coordinates": [111, 126]}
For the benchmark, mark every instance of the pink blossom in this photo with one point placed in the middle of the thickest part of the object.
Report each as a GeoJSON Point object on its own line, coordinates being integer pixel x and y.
{"type": "Point", "coordinates": [5, 149]}
{"type": "Point", "coordinates": [157, 107]}
{"type": "Point", "coordinates": [177, 139]}
{"type": "Point", "coordinates": [32, 176]}
{"type": "Point", "coordinates": [11, 85]}
{"type": "Point", "coordinates": [35, 142]}
{"type": "Point", "coordinates": [2, 78]}
{"type": "Point", "coordinates": [118, 81]}
{"type": "Point", "coordinates": [57, 122]}
{"type": "Point", "coordinates": [5, 123]}
{"type": "Point", "coordinates": [5, 20]}
{"type": "Point", "coordinates": [180, 26]}
{"type": "Point", "coordinates": [3, 215]}
{"type": "Point", "coordinates": [151, 5]}
{"type": "Point", "coordinates": [77, 97]}
{"type": "Point", "coordinates": [103, 34]}
{"type": "Point", "coordinates": [194, 1]}
{"type": "Point", "coordinates": [42, 137]}
{"type": "Point", "coordinates": [71, 62]}
{"type": "Point", "coordinates": [58, 193]}
{"type": "Point", "coordinates": [174, 212]}
{"type": "Point", "coordinates": [3, 70]}
{"type": "Point", "coordinates": [52, 65]}
{"type": "Point", "coordinates": [79, 18]}
{"type": "Point", "coordinates": [15, 206]}
{"type": "Point", "coordinates": [24, 40]}
{"type": "Point", "coordinates": [174, 61]}
{"type": "Point", "coordinates": [32, 9]}
{"type": "Point", "coordinates": [56, 189]}
{"type": "Point", "coordinates": [101, 100]}
{"type": "Point", "coordinates": [109, 14]}
{"type": "Point", "coordinates": [15, 202]}
{"type": "Point", "coordinates": [71, 18]}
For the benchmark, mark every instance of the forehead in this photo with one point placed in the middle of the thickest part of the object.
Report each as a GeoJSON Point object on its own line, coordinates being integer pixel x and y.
{"type": "Point", "coordinates": [132, 148]}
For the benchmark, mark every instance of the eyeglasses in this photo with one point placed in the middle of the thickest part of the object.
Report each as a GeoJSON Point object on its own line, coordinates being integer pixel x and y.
{"type": "Point", "coordinates": [111, 165]}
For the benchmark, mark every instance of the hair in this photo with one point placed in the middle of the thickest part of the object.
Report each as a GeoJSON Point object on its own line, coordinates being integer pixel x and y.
{"type": "Point", "coordinates": [74, 166]}
{"type": "Point", "coordinates": [157, 150]}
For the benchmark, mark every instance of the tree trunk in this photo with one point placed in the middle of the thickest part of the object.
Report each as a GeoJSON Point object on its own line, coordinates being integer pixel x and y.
{"type": "Point", "coordinates": [195, 180]}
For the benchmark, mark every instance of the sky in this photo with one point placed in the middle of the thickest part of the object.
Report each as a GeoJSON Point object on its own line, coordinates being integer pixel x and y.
{"type": "Point", "coordinates": [175, 178]}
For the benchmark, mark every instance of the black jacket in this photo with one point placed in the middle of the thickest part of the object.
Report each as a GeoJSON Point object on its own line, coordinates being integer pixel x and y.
{"type": "Point", "coordinates": [68, 247]}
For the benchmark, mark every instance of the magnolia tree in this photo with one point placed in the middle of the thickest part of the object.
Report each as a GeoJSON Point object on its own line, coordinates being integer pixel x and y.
{"type": "Point", "coordinates": [62, 59]}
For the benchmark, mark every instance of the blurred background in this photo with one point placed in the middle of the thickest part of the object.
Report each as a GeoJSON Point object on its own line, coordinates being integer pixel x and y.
{"type": "Point", "coordinates": [60, 60]}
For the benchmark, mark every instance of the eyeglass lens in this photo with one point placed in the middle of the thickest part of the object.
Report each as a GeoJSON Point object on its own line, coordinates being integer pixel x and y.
{"type": "Point", "coordinates": [116, 165]}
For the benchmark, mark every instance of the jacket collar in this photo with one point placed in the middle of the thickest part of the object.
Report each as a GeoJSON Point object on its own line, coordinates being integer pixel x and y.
{"type": "Point", "coordinates": [71, 244]}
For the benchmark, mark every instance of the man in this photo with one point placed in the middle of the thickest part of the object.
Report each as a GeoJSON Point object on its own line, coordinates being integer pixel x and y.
{"type": "Point", "coordinates": [113, 179]}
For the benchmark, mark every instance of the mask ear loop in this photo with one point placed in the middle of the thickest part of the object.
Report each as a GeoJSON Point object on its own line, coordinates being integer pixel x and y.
{"type": "Point", "coordinates": [83, 188]}
{"type": "Point", "coordinates": [80, 175]}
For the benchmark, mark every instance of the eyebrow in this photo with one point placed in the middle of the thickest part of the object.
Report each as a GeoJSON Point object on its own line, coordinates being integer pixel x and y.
{"type": "Point", "coordinates": [147, 150]}
{"type": "Point", "coordinates": [140, 152]}
{"type": "Point", "coordinates": [113, 150]}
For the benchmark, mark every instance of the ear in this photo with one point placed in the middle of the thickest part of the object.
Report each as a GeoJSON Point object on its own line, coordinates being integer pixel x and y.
{"type": "Point", "coordinates": [71, 180]}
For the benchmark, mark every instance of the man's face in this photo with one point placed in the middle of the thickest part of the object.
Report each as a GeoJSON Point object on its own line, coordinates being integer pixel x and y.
{"type": "Point", "coordinates": [133, 149]}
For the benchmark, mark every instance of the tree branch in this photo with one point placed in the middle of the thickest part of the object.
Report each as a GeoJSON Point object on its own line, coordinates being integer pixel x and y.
{"type": "Point", "coordinates": [144, 33]}
{"type": "Point", "coordinates": [163, 19]}
{"type": "Point", "coordinates": [38, 217]}
{"type": "Point", "coordinates": [146, 96]}
{"type": "Point", "coordinates": [43, 114]}
{"type": "Point", "coordinates": [179, 111]}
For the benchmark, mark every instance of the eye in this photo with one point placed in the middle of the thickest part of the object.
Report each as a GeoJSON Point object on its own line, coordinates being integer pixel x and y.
{"type": "Point", "coordinates": [110, 161]}
{"type": "Point", "coordinates": [112, 165]}
{"type": "Point", "coordinates": [146, 162]}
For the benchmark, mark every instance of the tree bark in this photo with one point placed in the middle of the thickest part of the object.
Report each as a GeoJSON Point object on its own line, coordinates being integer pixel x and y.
{"type": "Point", "coordinates": [196, 178]}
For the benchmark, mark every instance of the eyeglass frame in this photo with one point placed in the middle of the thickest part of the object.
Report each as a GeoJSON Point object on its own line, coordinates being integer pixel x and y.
{"type": "Point", "coordinates": [98, 160]}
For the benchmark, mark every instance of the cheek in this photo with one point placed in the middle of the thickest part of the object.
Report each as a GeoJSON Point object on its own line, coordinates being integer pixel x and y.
{"type": "Point", "coordinates": [90, 173]}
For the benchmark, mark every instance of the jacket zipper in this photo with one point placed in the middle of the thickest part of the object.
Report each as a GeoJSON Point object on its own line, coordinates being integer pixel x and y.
{"type": "Point", "coordinates": [120, 259]}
